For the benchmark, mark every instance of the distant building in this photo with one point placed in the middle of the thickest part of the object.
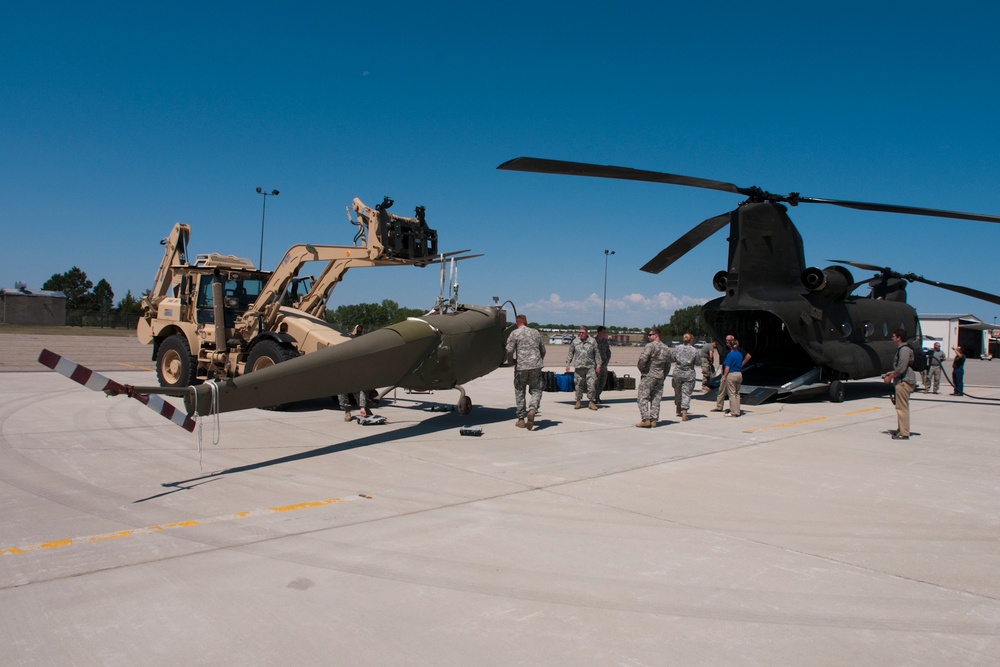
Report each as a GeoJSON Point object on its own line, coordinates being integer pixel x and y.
{"type": "Point", "coordinates": [34, 307]}
{"type": "Point", "coordinates": [974, 336]}
{"type": "Point", "coordinates": [567, 336]}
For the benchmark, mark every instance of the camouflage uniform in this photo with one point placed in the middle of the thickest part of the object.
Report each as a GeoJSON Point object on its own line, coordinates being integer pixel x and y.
{"type": "Point", "coordinates": [933, 373]}
{"type": "Point", "coordinates": [684, 358]}
{"type": "Point", "coordinates": [345, 399]}
{"type": "Point", "coordinates": [526, 345]}
{"type": "Point", "coordinates": [707, 364]}
{"type": "Point", "coordinates": [604, 348]}
{"type": "Point", "coordinates": [584, 357]}
{"type": "Point", "coordinates": [652, 365]}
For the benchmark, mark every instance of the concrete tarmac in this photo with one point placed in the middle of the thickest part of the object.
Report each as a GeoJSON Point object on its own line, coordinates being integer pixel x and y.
{"type": "Point", "coordinates": [797, 534]}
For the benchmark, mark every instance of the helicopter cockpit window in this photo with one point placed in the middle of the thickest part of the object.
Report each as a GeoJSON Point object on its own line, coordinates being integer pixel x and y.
{"type": "Point", "coordinates": [846, 329]}
{"type": "Point", "coordinates": [868, 329]}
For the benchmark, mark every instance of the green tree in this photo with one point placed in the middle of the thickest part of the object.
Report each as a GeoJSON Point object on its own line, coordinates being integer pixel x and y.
{"type": "Point", "coordinates": [74, 284]}
{"type": "Point", "coordinates": [103, 297]}
{"type": "Point", "coordinates": [370, 315]}
{"type": "Point", "coordinates": [129, 305]}
{"type": "Point", "coordinates": [682, 321]}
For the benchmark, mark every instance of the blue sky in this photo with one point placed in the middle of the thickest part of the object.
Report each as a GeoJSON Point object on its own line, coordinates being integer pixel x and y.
{"type": "Point", "coordinates": [119, 119]}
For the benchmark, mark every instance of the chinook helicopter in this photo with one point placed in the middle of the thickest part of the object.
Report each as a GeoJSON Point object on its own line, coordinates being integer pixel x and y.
{"type": "Point", "coordinates": [805, 330]}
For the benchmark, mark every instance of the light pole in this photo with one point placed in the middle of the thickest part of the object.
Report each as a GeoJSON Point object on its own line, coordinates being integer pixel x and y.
{"type": "Point", "coordinates": [604, 308]}
{"type": "Point", "coordinates": [272, 193]}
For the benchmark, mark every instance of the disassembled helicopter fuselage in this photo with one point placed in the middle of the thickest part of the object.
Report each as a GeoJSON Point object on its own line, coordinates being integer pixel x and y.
{"type": "Point", "coordinates": [443, 349]}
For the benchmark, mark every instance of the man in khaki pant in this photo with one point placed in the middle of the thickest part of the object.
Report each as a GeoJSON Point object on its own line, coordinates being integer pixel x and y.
{"type": "Point", "coordinates": [904, 380]}
{"type": "Point", "coordinates": [732, 377]}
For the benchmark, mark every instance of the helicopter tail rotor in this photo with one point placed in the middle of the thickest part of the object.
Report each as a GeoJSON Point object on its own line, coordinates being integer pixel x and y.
{"type": "Point", "coordinates": [97, 382]}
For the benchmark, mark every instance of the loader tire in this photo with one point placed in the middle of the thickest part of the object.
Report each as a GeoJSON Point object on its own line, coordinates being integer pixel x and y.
{"type": "Point", "coordinates": [265, 354]}
{"type": "Point", "coordinates": [175, 365]}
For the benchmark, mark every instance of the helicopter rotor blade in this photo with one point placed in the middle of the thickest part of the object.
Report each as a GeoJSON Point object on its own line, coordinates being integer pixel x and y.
{"type": "Point", "coordinates": [894, 208]}
{"type": "Point", "coordinates": [967, 291]}
{"type": "Point", "coordinates": [457, 258]}
{"type": "Point", "coordinates": [441, 291]}
{"type": "Point", "coordinates": [862, 265]}
{"type": "Point", "coordinates": [545, 166]}
{"type": "Point", "coordinates": [913, 278]}
{"type": "Point", "coordinates": [148, 396]}
{"type": "Point", "coordinates": [681, 246]}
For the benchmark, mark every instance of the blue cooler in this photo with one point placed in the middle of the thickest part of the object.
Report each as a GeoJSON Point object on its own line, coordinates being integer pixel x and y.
{"type": "Point", "coordinates": [564, 381]}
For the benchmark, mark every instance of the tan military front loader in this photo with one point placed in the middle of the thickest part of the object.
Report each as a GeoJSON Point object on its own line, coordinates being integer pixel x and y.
{"type": "Point", "coordinates": [222, 317]}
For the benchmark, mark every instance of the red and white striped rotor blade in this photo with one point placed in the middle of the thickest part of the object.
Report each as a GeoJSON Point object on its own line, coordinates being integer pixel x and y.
{"type": "Point", "coordinates": [93, 380]}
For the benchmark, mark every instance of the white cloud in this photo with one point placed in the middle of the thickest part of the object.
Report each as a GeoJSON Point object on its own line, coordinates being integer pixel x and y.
{"type": "Point", "coordinates": [628, 310]}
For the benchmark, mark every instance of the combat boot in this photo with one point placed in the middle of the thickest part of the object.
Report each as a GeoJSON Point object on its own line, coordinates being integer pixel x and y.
{"type": "Point", "coordinates": [593, 405]}
{"type": "Point", "coordinates": [347, 416]}
{"type": "Point", "coordinates": [577, 406]}
{"type": "Point", "coordinates": [684, 415]}
{"type": "Point", "coordinates": [653, 423]}
{"type": "Point", "coordinates": [643, 424]}
{"type": "Point", "coordinates": [520, 423]}
{"type": "Point", "coordinates": [531, 419]}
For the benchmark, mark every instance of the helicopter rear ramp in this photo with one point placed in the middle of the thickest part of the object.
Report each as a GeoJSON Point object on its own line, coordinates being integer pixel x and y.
{"type": "Point", "coordinates": [757, 395]}
{"type": "Point", "coordinates": [762, 383]}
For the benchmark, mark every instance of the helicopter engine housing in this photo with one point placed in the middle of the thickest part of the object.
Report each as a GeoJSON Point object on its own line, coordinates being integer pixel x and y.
{"type": "Point", "coordinates": [720, 281]}
{"type": "Point", "coordinates": [834, 281]}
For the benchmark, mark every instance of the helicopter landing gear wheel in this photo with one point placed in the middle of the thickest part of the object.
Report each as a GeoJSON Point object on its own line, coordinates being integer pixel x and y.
{"type": "Point", "coordinates": [836, 391]}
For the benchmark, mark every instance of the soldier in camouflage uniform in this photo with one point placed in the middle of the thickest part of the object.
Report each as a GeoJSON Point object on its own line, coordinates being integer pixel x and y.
{"type": "Point", "coordinates": [604, 348]}
{"type": "Point", "coordinates": [652, 365]}
{"type": "Point", "coordinates": [586, 361]}
{"type": "Point", "coordinates": [345, 399]}
{"type": "Point", "coordinates": [345, 404]}
{"type": "Point", "coordinates": [684, 359]}
{"type": "Point", "coordinates": [526, 346]}
{"type": "Point", "coordinates": [707, 363]}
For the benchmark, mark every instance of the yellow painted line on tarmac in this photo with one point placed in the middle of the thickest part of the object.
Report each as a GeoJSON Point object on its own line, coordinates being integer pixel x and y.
{"type": "Point", "coordinates": [141, 368]}
{"type": "Point", "coordinates": [148, 530]}
{"type": "Point", "coordinates": [809, 421]}
{"type": "Point", "coordinates": [860, 412]}
{"type": "Point", "coordinates": [768, 428]}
